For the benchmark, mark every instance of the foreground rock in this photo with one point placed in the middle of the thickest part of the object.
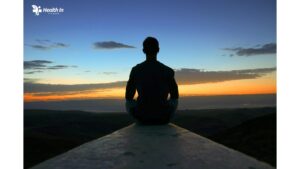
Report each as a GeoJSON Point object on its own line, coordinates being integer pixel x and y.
{"type": "Point", "coordinates": [152, 147]}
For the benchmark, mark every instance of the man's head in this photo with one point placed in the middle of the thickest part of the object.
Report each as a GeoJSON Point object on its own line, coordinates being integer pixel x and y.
{"type": "Point", "coordinates": [150, 46]}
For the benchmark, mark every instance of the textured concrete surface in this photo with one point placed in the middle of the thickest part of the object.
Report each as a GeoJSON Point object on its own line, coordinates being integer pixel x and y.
{"type": "Point", "coordinates": [152, 147]}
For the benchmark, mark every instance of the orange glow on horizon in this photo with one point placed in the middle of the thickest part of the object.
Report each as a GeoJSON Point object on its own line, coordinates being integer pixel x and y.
{"type": "Point", "coordinates": [266, 85]}
{"type": "Point", "coordinates": [81, 95]}
{"type": "Point", "coordinates": [228, 88]}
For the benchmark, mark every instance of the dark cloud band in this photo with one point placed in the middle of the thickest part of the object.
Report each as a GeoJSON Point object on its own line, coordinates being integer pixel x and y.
{"type": "Point", "coordinates": [183, 77]}
{"type": "Point", "coordinates": [110, 45]}
{"type": "Point", "coordinates": [197, 76]}
{"type": "Point", "coordinates": [38, 66]}
{"type": "Point", "coordinates": [269, 48]}
{"type": "Point", "coordinates": [38, 87]}
{"type": "Point", "coordinates": [45, 44]}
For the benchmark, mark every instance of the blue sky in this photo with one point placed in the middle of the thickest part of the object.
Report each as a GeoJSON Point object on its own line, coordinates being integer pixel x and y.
{"type": "Point", "coordinates": [212, 35]}
{"type": "Point", "coordinates": [192, 33]}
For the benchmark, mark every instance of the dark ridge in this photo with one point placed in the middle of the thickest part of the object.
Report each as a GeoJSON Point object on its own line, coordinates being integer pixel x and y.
{"type": "Point", "coordinates": [255, 137]}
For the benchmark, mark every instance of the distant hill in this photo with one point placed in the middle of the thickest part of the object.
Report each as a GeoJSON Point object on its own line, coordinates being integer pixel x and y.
{"type": "Point", "coordinates": [208, 122]}
{"type": "Point", "coordinates": [48, 133]}
{"type": "Point", "coordinates": [256, 137]}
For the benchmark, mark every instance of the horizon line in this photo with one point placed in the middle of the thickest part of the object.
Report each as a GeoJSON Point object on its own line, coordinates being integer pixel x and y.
{"type": "Point", "coordinates": [123, 98]}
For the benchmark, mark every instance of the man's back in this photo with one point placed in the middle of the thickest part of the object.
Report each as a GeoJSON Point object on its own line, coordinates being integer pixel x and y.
{"type": "Point", "coordinates": [154, 82]}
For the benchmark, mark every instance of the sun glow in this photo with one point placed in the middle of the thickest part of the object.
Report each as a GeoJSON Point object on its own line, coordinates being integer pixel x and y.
{"type": "Point", "coordinates": [266, 85]}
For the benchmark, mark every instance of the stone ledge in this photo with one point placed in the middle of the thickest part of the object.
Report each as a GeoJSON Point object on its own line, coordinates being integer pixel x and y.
{"type": "Point", "coordinates": [152, 147]}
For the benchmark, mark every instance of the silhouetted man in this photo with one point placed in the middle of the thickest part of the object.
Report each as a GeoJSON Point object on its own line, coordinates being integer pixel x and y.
{"type": "Point", "coordinates": [154, 83]}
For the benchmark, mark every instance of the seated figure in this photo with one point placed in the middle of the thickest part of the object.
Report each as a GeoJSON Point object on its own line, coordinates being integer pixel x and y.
{"type": "Point", "coordinates": [156, 87]}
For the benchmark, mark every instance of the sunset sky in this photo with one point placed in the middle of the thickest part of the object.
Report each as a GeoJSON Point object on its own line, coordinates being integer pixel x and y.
{"type": "Point", "coordinates": [216, 47]}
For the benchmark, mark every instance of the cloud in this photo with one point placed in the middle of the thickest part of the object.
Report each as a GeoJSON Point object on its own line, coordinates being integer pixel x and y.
{"type": "Point", "coordinates": [109, 73]}
{"type": "Point", "coordinates": [32, 72]}
{"type": "Point", "coordinates": [40, 47]}
{"type": "Point", "coordinates": [39, 87]}
{"type": "Point", "coordinates": [30, 80]}
{"type": "Point", "coordinates": [43, 41]}
{"type": "Point", "coordinates": [110, 45]}
{"type": "Point", "coordinates": [62, 45]}
{"type": "Point", "coordinates": [183, 76]}
{"type": "Point", "coordinates": [58, 67]}
{"type": "Point", "coordinates": [38, 66]}
{"type": "Point", "coordinates": [197, 76]}
{"type": "Point", "coordinates": [45, 44]}
{"type": "Point", "coordinates": [269, 48]}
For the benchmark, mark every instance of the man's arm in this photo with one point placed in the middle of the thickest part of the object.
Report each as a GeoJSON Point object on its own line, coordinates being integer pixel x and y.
{"type": "Point", "coordinates": [173, 102]}
{"type": "Point", "coordinates": [130, 88]}
{"type": "Point", "coordinates": [173, 88]}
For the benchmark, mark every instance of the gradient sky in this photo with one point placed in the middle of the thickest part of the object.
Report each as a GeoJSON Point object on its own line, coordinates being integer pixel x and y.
{"type": "Point", "coordinates": [217, 47]}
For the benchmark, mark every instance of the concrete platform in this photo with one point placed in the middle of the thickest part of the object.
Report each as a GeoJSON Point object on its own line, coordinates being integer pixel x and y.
{"type": "Point", "coordinates": [152, 147]}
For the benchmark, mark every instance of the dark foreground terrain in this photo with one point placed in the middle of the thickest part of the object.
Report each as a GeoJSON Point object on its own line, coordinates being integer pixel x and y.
{"type": "Point", "coordinates": [48, 133]}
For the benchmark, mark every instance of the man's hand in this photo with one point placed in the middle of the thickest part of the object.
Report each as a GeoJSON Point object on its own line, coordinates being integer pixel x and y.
{"type": "Point", "coordinates": [173, 103]}
{"type": "Point", "coordinates": [130, 104]}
